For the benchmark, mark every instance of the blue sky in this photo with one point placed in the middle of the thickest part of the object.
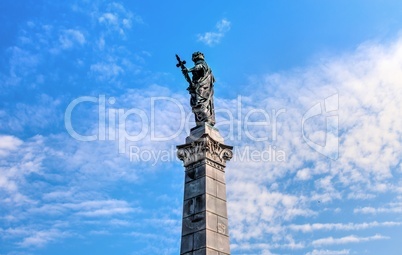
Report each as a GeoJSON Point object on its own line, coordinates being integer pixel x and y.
{"type": "Point", "coordinates": [92, 107]}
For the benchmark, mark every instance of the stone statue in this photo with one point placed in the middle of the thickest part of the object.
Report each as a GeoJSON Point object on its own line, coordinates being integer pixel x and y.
{"type": "Point", "coordinates": [201, 88]}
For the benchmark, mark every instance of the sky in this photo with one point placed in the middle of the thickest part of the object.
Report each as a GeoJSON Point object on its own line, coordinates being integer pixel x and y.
{"type": "Point", "coordinates": [92, 107]}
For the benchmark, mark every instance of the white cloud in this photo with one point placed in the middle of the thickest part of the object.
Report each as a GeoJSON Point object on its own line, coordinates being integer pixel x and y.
{"type": "Point", "coordinates": [101, 208]}
{"type": "Point", "coordinates": [303, 174]}
{"type": "Point", "coordinates": [42, 237]}
{"type": "Point", "coordinates": [223, 26]}
{"type": "Point", "coordinates": [394, 207]}
{"type": "Point", "coordinates": [109, 18]}
{"type": "Point", "coordinates": [41, 114]}
{"type": "Point", "coordinates": [8, 143]}
{"type": "Point", "coordinates": [329, 252]}
{"type": "Point", "coordinates": [22, 64]}
{"type": "Point", "coordinates": [106, 71]}
{"type": "Point", "coordinates": [346, 240]}
{"type": "Point", "coordinates": [213, 38]}
{"type": "Point", "coordinates": [71, 37]}
{"type": "Point", "coordinates": [29, 156]}
{"type": "Point", "coordinates": [255, 211]}
{"type": "Point", "coordinates": [34, 237]}
{"type": "Point", "coordinates": [360, 195]}
{"type": "Point", "coordinates": [341, 226]}
{"type": "Point", "coordinates": [117, 18]}
{"type": "Point", "coordinates": [370, 145]}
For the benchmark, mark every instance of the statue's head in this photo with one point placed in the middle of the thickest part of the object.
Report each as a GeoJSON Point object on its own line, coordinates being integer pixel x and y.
{"type": "Point", "coordinates": [197, 56]}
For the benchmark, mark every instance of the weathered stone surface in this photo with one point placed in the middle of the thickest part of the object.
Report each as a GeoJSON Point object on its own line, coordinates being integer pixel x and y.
{"type": "Point", "coordinates": [212, 221]}
{"type": "Point", "coordinates": [194, 188]}
{"type": "Point", "coordinates": [223, 244]}
{"type": "Point", "coordinates": [220, 176]}
{"type": "Point", "coordinates": [216, 205]}
{"type": "Point", "coordinates": [197, 132]}
{"type": "Point", "coordinates": [206, 251]}
{"type": "Point", "coordinates": [205, 225]}
{"type": "Point", "coordinates": [210, 186]}
{"type": "Point", "coordinates": [195, 172]}
{"type": "Point", "coordinates": [221, 190]}
{"type": "Point", "coordinates": [200, 239]}
{"type": "Point", "coordinates": [223, 226]}
{"type": "Point", "coordinates": [186, 244]}
{"type": "Point", "coordinates": [221, 208]}
{"type": "Point", "coordinates": [217, 241]}
{"type": "Point", "coordinates": [212, 239]}
{"type": "Point", "coordinates": [194, 205]}
{"type": "Point", "coordinates": [210, 171]}
{"type": "Point", "coordinates": [194, 223]}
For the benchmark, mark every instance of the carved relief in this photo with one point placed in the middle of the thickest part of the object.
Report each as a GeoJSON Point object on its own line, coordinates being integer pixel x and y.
{"type": "Point", "coordinates": [194, 223]}
{"type": "Point", "coordinates": [193, 173]}
{"type": "Point", "coordinates": [191, 153]}
{"type": "Point", "coordinates": [218, 151]}
{"type": "Point", "coordinates": [221, 228]}
{"type": "Point", "coordinates": [215, 165]}
{"type": "Point", "coordinates": [191, 210]}
{"type": "Point", "coordinates": [194, 205]}
{"type": "Point", "coordinates": [205, 147]}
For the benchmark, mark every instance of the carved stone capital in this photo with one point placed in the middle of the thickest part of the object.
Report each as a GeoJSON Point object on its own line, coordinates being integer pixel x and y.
{"type": "Point", "coordinates": [204, 148]}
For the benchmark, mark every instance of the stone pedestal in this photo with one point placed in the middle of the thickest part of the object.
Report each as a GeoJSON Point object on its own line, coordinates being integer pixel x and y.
{"type": "Point", "coordinates": [205, 220]}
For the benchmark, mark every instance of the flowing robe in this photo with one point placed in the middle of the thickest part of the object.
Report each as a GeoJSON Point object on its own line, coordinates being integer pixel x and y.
{"type": "Point", "coordinates": [202, 91]}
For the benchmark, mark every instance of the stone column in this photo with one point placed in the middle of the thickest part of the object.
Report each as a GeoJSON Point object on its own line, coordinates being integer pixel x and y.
{"type": "Point", "coordinates": [205, 220]}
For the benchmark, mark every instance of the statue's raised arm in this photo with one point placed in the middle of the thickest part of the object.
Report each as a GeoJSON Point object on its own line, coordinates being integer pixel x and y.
{"type": "Point", "coordinates": [201, 88]}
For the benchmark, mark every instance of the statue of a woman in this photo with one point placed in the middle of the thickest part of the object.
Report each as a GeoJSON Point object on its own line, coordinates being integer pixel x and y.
{"type": "Point", "coordinates": [201, 89]}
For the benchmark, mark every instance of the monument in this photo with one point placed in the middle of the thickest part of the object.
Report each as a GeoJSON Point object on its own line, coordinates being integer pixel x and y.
{"type": "Point", "coordinates": [204, 155]}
